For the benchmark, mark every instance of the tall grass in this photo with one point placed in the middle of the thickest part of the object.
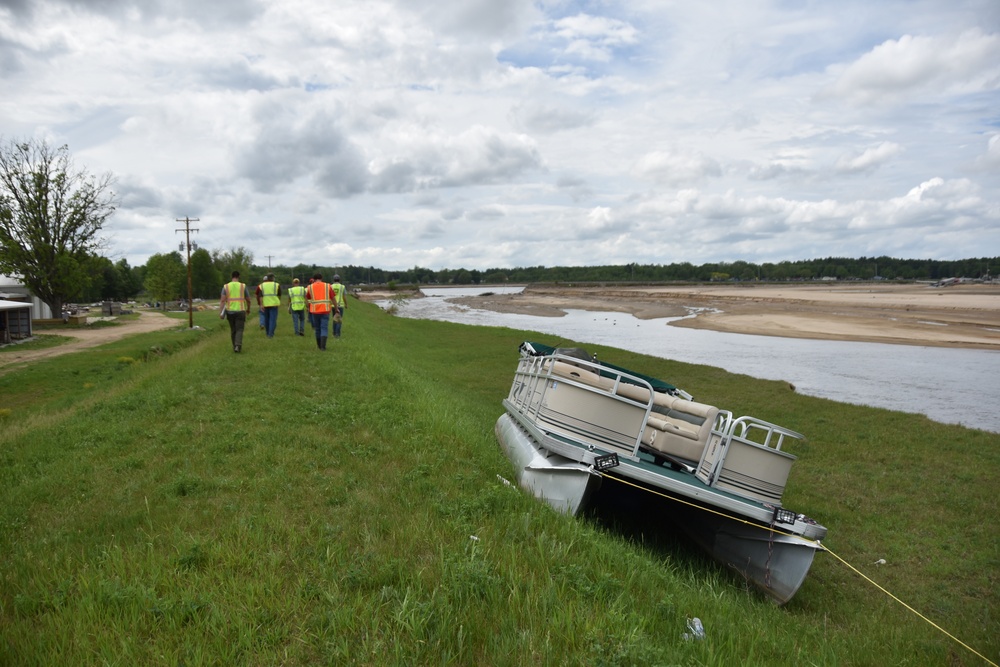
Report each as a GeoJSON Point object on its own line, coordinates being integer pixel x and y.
{"type": "Point", "coordinates": [289, 506]}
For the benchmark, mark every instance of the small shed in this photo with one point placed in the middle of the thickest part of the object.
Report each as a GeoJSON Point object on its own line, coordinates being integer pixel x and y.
{"type": "Point", "coordinates": [15, 321]}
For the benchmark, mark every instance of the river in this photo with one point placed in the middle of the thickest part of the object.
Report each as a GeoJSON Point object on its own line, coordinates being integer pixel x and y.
{"type": "Point", "coordinates": [949, 385]}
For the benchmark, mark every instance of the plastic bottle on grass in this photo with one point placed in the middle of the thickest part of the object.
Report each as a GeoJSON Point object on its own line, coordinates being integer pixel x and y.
{"type": "Point", "coordinates": [696, 628]}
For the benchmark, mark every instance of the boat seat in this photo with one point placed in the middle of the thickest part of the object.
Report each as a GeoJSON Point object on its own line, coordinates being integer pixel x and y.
{"type": "Point", "coordinates": [681, 430]}
{"type": "Point", "coordinates": [574, 372]}
{"type": "Point", "coordinates": [676, 427]}
{"type": "Point", "coordinates": [630, 391]}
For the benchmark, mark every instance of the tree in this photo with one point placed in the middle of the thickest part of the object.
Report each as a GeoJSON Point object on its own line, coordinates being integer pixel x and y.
{"type": "Point", "coordinates": [128, 286]}
{"type": "Point", "coordinates": [166, 276]}
{"type": "Point", "coordinates": [98, 272]}
{"type": "Point", "coordinates": [205, 278]}
{"type": "Point", "coordinates": [51, 217]}
{"type": "Point", "coordinates": [235, 259]}
{"type": "Point", "coordinates": [109, 282]}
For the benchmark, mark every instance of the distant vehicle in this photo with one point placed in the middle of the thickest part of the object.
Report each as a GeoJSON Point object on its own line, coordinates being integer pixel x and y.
{"type": "Point", "coordinates": [947, 282]}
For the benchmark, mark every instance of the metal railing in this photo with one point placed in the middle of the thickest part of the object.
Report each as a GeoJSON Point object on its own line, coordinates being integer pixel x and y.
{"type": "Point", "coordinates": [535, 377]}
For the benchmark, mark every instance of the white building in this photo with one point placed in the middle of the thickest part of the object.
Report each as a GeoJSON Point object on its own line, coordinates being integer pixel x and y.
{"type": "Point", "coordinates": [12, 289]}
{"type": "Point", "coordinates": [15, 321]}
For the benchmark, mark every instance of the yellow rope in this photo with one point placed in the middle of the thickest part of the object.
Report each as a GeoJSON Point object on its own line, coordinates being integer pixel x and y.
{"type": "Point", "coordinates": [819, 545]}
{"type": "Point", "coordinates": [711, 511]}
{"type": "Point", "coordinates": [932, 623]}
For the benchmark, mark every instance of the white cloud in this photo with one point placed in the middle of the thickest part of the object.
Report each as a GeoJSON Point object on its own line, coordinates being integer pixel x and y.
{"type": "Point", "coordinates": [446, 136]}
{"type": "Point", "coordinates": [870, 158]}
{"type": "Point", "coordinates": [677, 167]}
{"type": "Point", "coordinates": [477, 19]}
{"type": "Point", "coordinates": [966, 62]}
{"type": "Point", "coordinates": [990, 159]}
{"type": "Point", "coordinates": [594, 37]}
{"type": "Point", "coordinates": [548, 119]}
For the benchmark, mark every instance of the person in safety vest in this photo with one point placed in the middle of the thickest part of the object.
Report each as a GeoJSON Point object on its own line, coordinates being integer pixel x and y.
{"type": "Point", "coordinates": [338, 318]}
{"type": "Point", "coordinates": [319, 298]}
{"type": "Point", "coordinates": [268, 299]}
{"type": "Point", "coordinates": [297, 307]}
{"type": "Point", "coordinates": [235, 303]}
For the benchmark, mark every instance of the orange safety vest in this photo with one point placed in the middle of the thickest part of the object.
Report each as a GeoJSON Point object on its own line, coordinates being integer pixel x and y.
{"type": "Point", "coordinates": [318, 295]}
{"type": "Point", "coordinates": [235, 303]}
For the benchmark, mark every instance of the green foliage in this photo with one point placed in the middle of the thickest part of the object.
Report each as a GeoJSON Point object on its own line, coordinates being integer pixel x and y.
{"type": "Point", "coordinates": [840, 268]}
{"type": "Point", "coordinates": [165, 276]}
{"type": "Point", "coordinates": [51, 217]}
{"type": "Point", "coordinates": [110, 282]}
{"type": "Point", "coordinates": [206, 279]}
{"type": "Point", "coordinates": [235, 259]}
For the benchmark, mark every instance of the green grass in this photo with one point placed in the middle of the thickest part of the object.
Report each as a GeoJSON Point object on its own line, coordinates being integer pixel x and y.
{"type": "Point", "coordinates": [165, 501]}
{"type": "Point", "coordinates": [58, 325]}
{"type": "Point", "coordinates": [37, 342]}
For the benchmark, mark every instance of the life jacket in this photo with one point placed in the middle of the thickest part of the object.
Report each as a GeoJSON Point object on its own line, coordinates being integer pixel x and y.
{"type": "Point", "coordinates": [319, 297]}
{"type": "Point", "coordinates": [269, 292]}
{"type": "Point", "coordinates": [234, 297]}
{"type": "Point", "coordinates": [297, 297]}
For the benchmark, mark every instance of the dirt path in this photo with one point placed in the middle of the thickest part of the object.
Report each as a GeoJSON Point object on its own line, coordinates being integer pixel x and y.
{"type": "Point", "coordinates": [86, 338]}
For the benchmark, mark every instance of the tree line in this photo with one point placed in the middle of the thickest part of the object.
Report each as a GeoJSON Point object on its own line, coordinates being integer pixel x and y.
{"type": "Point", "coordinates": [164, 276]}
{"type": "Point", "coordinates": [835, 268]}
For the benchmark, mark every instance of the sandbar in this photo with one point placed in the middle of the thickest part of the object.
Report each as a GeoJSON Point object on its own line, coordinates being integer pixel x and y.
{"type": "Point", "coordinates": [964, 315]}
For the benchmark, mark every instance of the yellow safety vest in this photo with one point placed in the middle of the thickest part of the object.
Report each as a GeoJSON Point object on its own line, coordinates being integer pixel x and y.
{"type": "Point", "coordinates": [338, 291]}
{"type": "Point", "coordinates": [269, 292]}
{"type": "Point", "coordinates": [297, 297]}
{"type": "Point", "coordinates": [235, 303]}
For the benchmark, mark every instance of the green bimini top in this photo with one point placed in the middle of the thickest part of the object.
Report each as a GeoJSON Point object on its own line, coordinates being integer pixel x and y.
{"type": "Point", "coordinates": [541, 350]}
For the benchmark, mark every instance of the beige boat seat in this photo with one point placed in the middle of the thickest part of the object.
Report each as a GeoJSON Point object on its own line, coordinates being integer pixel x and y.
{"type": "Point", "coordinates": [677, 427]}
{"type": "Point", "coordinates": [574, 372]}
{"type": "Point", "coordinates": [626, 390]}
{"type": "Point", "coordinates": [680, 430]}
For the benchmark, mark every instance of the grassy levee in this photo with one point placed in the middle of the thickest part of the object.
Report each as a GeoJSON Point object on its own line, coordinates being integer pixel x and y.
{"type": "Point", "coordinates": [164, 501]}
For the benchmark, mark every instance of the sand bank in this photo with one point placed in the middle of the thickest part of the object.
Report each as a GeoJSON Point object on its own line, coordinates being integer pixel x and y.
{"type": "Point", "coordinates": [966, 315]}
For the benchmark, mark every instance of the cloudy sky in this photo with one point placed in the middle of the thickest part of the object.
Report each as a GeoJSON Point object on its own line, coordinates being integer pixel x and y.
{"type": "Point", "coordinates": [497, 133]}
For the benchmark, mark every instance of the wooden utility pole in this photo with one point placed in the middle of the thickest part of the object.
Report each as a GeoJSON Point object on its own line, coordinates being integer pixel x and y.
{"type": "Point", "coordinates": [187, 244]}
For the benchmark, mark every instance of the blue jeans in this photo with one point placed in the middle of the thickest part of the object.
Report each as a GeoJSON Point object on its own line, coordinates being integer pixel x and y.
{"type": "Point", "coordinates": [270, 320]}
{"type": "Point", "coordinates": [337, 325]}
{"type": "Point", "coordinates": [299, 321]}
{"type": "Point", "coordinates": [321, 323]}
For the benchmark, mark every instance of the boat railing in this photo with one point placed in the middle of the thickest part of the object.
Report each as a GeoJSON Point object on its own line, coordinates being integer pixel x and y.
{"type": "Point", "coordinates": [758, 431]}
{"type": "Point", "coordinates": [632, 399]}
{"type": "Point", "coordinates": [745, 457]}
